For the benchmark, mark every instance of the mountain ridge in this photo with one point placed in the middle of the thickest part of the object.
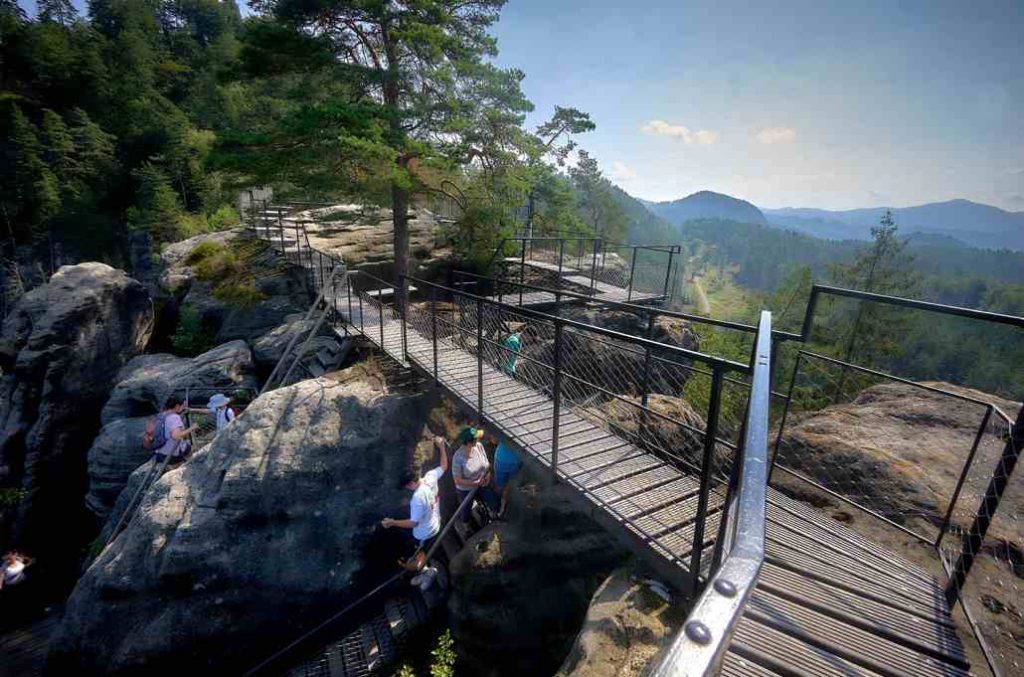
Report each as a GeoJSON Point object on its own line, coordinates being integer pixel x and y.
{"type": "Point", "coordinates": [706, 204]}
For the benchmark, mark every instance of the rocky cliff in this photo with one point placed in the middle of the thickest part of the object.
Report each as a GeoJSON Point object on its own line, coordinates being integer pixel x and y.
{"type": "Point", "coordinates": [263, 531]}
{"type": "Point", "coordinates": [60, 352]}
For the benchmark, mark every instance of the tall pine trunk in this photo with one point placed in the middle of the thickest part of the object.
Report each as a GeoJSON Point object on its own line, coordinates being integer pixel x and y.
{"type": "Point", "coordinates": [400, 219]}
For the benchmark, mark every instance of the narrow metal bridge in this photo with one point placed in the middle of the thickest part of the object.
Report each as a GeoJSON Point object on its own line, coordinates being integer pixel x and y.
{"type": "Point", "coordinates": [781, 588]}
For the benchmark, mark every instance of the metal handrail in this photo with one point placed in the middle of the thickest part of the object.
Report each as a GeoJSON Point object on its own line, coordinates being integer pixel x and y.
{"type": "Point", "coordinates": [701, 646]}
{"type": "Point", "coordinates": [730, 365]}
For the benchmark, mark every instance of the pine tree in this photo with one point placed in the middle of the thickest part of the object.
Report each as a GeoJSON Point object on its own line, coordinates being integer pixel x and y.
{"type": "Point", "coordinates": [156, 208]}
{"type": "Point", "coordinates": [58, 11]}
{"type": "Point", "coordinates": [58, 152]}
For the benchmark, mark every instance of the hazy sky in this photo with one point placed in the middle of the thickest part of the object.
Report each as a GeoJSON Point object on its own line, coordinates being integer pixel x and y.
{"type": "Point", "coordinates": [817, 103]}
{"type": "Point", "coordinates": [802, 103]}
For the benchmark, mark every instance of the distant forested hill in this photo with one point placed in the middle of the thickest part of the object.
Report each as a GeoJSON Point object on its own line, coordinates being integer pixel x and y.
{"type": "Point", "coordinates": [975, 224]}
{"type": "Point", "coordinates": [707, 205]}
{"type": "Point", "coordinates": [645, 227]}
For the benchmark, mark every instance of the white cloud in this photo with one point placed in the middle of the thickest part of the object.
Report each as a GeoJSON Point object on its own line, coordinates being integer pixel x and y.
{"type": "Point", "coordinates": [702, 137]}
{"type": "Point", "coordinates": [622, 172]}
{"type": "Point", "coordinates": [773, 135]}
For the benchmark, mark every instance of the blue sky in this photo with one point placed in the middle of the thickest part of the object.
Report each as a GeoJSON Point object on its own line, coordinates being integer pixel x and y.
{"type": "Point", "coordinates": [814, 103]}
{"type": "Point", "coordinates": [800, 103]}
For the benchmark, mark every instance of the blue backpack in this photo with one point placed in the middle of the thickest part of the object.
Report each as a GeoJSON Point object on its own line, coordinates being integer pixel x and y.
{"type": "Point", "coordinates": [155, 436]}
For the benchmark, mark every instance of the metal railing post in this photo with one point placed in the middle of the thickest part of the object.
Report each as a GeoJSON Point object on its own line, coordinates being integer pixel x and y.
{"type": "Point", "coordinates": [714, 406]}
{"type": "Point", "coordinates": [522, 271]}
{"type": "Point", "coordinates": [668, 273]}
{"type": "Point", "coordinates": [362, 316]}
{"type": "Point", "coordinates": [987, 509]}
{"type": "Point", "coordinates": [556, 397]}
{"type": "Point", "coordinates": [948, 518]}
{"type": "Point", "coordinates": [632, 269]}
{"type": "Point", "coordinates": [593, 268]}
{"type": "Point", "coordinates": [380, 312]}
{"type": "Point", "coordinates": [480, 357]}
{"type": "Point", "coordinates": [403, 314]}
{"type": "Point", "coordinates": [433, 327]}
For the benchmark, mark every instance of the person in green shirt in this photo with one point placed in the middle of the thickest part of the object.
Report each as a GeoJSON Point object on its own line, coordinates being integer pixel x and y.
{"type": "Point", "coordinates": [512, 344]}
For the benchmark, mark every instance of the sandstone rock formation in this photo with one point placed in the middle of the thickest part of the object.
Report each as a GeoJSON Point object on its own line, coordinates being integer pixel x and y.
{"type": "Point", "coordinates": [626, 626]}
{"type": "Point", "coordinates": [60, 352]}
{"type": "Point", "coordinates": [679, 430]}
{"type": "Point", "coordinates": [283, 288]}
{"type": "Point", "coordinates": [143, 386]}
{"type": "Point", "coordinates": [261, 533]}
{"type": "Point", "coordinates": [324, 353]}
{"type": "Point", "coordinates": [521, 587]}
{"type": "Point", "coordinates": [146, 382]}
{"type": "Point", "coordinates": [364, 236]}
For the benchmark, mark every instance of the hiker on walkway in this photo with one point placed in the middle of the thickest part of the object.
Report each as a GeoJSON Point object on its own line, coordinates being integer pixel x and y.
{"type": "Point", "coordinates": [471, 470]}
{"type": "Point", "coordinates": [424, 516]}
{"type": "Point", "coordinates": [506, 465]}
{"type": "Point", "coordinates": [14, 564]}
{"type": "Point", "coordinates": [219, 409]}
{"type": "Point", "coordinates": [511, 346]}
{"type": "Point", "coordinates": [171, 428]}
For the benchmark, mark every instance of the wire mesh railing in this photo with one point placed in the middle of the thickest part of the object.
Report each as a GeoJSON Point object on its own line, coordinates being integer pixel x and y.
{"type": "Point", "coordinates": [622, 387]}
{"type": "Point", "coordinates": [928, 460]}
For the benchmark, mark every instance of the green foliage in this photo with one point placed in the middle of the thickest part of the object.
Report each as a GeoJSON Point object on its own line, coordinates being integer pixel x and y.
{"type": "Point", "coordinates": [11, 497]}
{"type": "Point", "coordinates": [191, 337]}
{"type": "Point", "coordinates": [228, 270]}
{"type": "Point", "coordinates": [597, 204]}
{"type": "Point", "coordinates": [443, 664]}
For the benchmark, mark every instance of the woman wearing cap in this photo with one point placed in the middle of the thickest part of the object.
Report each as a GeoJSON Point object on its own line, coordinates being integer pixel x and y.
{"type": "Point", "coordinates": [470, 467]}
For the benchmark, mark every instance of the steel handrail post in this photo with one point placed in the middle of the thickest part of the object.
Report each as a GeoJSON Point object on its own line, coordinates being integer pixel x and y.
{"type": "Point", "coordinates": [706, 471]}
{"type": "Point", "coordinates": [480, 357]}
{"type": "Point", "coordinates": [785, 415]}
{"type": "Point", "coordinates": [380, 312]}
{"type": "Point", "coordinates": [433, 328]}
{"type": "Point", "coordinates": [522, 271]}
{"type": "Point", "coordinates": [668, 274]}
{"type": "Point", "coordinates": [362, 315]}
{"type": "Point", "coordinates": [403, 315]}
{"type": "Point", "coordinates": [944, 528]}
{"type": "Point", "coordinates": [632, 269]}
{"type": "Point", "coordinates": [593, 268]}
{"type": "Point", "coordinates": [556, 397]}
{"type": "Point", "coordinates": [987, 509]}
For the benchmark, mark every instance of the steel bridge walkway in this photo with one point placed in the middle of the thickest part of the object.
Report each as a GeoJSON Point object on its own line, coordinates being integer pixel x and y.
{"type": "Point", "coordinates": [586, 283]}
{"type": "Point", "coordinates": [828, 601]}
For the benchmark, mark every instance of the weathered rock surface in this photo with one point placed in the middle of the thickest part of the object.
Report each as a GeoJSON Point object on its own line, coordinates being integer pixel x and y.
{"type": "Point", "coordinates": [60, 352]}
{"type": "Point", "coordinates": [363, 236]}
{"type": "Point", "coordinates": [261, 533]}
{"type": "Point", "coordinates": [679, 429]}
{"type": "Point", "coordinates": [900, 450]}
{"type": "Point", "coordinates": [283, 287]}
{"type": "Point", "coordinates": [324, 353]}
{"type": "Point", "coordinates": [145, 383]}
{"type": "Point", "coordinates": [626, 626]}
{"type": "Point", "coordinates": [521, 588]}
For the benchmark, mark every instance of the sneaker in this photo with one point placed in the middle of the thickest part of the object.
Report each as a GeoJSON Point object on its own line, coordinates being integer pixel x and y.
{"type": "Point", "coordinates": [416, 580]}
{"type": "Point", "coordinates": [426, 578]}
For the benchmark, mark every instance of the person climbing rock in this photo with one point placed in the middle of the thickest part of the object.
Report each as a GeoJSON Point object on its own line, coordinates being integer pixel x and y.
{"type": "Point", "coordinates": [15, 564]}
{"type": "Point", "coordinates": [174, 433]}
{"type": "Point", "coordinates": [424, 516]}
{"type": "Point", "coordinates": [472, 470]}
{"type": "Point", "coordinates": [506, 465]}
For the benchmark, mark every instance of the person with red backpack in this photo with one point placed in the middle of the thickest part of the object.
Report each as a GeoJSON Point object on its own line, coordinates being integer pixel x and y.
{"type": "Point", "coordinates": [166, 434]}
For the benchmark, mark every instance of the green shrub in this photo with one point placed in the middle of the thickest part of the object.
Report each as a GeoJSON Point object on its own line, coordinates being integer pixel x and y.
{"type": "Point", "coordinates": [228, 270]}
{"type": "Point", "coordinates": [10, 498]}
{"type": "Point", "coordinates": [224, 218]}
{"type": "Point", "coordinates": [444, 656]}
{"type": "Point", "coordinates": [241, 294]}
{"type": "Point", "coordinates": [203, 251]}
{"type": "Point", "coordinates": [191, 338]}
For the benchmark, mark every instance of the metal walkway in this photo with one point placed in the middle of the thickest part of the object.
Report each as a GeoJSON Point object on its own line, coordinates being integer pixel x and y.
{"type": "Point", "coordinates": [827, 600]}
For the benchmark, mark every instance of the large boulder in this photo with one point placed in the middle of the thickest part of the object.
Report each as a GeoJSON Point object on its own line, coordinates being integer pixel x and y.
{"type": "Point", "coordinates": [323, 353]}
{"type": "Point", "coordinates": [143, 386]}
{"type": "Point", "coordinates": [631, 618]}
{"type": "Point", "coordinates": [521, 587]}
{"type": "Point", "coordinates": [675, 427]}
{"type": "Point", "coordinates": [258, 291]}
{"type": "Point", "coordinates": [60, 352]}
{"type": "Point", "coordinates": [900, 450]}
{"type": "Point", "coordinates": [264, 531]}
{"type": "Point", "coordinates": [145, 383]}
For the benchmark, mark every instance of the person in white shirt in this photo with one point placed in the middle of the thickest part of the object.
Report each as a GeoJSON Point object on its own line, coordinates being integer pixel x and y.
{"type": "Point", "coordinates": [14, 564]}
{"type": "Point", "coordinates": [424, 516]}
